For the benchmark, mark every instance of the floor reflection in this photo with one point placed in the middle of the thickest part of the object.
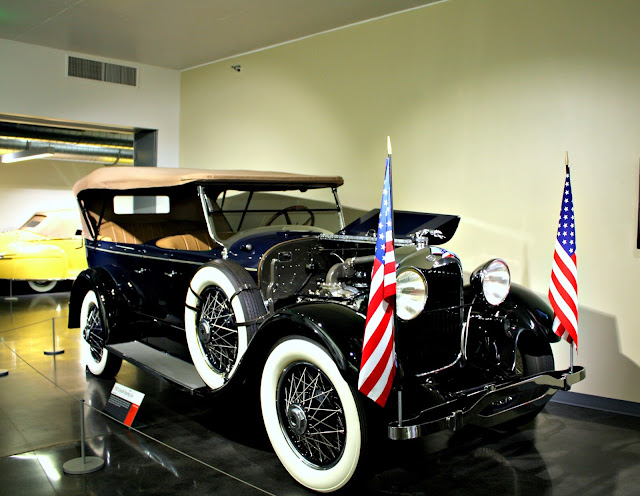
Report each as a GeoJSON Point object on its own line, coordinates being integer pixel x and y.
{"type": "Point", "coordinates": [187, 444]}
{"type": "Point", "coordinates": [33, 309]}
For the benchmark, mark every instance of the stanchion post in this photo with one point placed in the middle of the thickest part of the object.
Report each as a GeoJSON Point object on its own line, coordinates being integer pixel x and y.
{"type": "Point", "coordinates": [3, 372]}
{"type": "Point", "coordinates": [84, 464]}
{"type": "Point", "coordinates": [11, 297]}
{"type": "Point", "coordinates": [54, 351]}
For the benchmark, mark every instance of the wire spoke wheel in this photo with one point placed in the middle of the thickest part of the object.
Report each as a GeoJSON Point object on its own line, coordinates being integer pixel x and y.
{"type": "Point", "coordinates": [93, 333]}
{"type": "Point", "coordinates": [95, 338]}
{"type": "Point", "coordinates": [311, 413]}
{"type": "Point", "coordinates": [217, 330]}
{"type": "Point", "coordinates": [222, 308]}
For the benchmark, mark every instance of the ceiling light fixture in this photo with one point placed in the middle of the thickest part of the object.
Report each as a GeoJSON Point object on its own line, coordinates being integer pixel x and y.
{"type": "Point", "coordinates": [28, 154]}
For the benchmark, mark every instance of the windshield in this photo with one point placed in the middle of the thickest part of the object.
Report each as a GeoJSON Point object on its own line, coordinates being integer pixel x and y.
{"type": "Point", "coordinates": [239, 211]}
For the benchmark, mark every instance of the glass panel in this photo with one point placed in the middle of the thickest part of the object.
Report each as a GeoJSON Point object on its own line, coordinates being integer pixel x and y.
{"type": "Point", "coordinates": [275, 209]}
{"type": "Point", "coordinates": [141, 204]}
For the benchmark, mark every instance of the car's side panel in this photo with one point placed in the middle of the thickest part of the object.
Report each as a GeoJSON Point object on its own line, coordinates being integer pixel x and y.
{"type": "Point", "coordinates": [153, 281]}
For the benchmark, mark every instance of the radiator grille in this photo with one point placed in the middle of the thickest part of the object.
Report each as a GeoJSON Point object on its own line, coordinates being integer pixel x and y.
{"type": "Point", "coordinates": [102, 71]}
{"type": "Point", "coordinates": [432, 340]}
{"type": "Point", "coordinates": [443, 312]}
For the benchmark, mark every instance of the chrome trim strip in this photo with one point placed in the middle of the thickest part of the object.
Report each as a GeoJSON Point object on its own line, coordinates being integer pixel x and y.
{"type": "Point", "coordinates": [163, 259]}
{"type": "Point", "coordinates": [424, 374]}
{"type": "Point", "coordinates": [362, 239]}
{"type": "Point", "coordinates": [148, 257]}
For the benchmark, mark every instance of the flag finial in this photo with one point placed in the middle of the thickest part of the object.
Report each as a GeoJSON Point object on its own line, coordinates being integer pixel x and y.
{"type": "Point", "coordinates": [389, 145]}
{"type": "Point", "coordinates": [566, 158]}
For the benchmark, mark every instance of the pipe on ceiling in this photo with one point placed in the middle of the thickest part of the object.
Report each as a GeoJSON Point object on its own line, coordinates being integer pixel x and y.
{"type": "Point", "coordinates": [69, 144]}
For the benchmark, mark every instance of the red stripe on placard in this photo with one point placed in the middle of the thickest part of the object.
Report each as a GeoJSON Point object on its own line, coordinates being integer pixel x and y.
{"type": "Point", "coordinates": [130, 416]}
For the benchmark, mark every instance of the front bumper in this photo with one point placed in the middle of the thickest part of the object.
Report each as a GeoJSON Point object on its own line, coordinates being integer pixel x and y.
{"type": "Point", "coordinates": [475, 408]}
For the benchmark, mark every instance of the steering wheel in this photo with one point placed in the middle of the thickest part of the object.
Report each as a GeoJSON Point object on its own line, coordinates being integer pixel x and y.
{"type": "Point", "coordinates": [293, 208]}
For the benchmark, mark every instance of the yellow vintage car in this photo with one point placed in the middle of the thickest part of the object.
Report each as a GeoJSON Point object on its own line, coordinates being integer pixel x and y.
{"type": "Point", "coordinates": [45, 250]}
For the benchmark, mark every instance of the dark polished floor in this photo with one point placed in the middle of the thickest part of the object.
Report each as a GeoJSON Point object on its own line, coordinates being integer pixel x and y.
{"type": "Point", "coordinates": [189, 445]}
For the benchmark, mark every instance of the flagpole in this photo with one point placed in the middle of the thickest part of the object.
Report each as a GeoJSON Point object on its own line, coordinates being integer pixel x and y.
{"type": "Point", "coordinates": [571, 358]}
{"type": "Point", "coordinates": [389, 152]}
{"type": "Point", "coordinates": [571, 345]}
{"type": "Point", "coordinates": [377, 375]}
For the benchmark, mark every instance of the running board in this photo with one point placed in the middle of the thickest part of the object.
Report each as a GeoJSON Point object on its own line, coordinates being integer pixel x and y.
{"type": "Point", "coordinates": [161, 364]}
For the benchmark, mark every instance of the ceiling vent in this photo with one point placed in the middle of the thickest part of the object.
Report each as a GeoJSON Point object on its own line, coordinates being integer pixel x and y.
{"type": "Point", "coordinates": [102, 71]}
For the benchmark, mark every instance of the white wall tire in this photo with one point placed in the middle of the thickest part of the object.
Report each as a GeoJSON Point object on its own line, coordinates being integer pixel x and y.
{"type": "Point", "coordinates": [289, 428]}
{"type": "Point", "coordinates": [95, 356]}
{"type": "Point", "coordinates": [222, 297]}
{"type": "Point", "coordinates": [42, 286]}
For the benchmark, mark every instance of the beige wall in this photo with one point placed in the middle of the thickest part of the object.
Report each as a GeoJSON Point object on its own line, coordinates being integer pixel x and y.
{"type": "Point", "coordinates": [481, 100]}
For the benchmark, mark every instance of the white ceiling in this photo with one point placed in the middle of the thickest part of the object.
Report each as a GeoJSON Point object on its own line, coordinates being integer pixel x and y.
{"type": "Point", "coordinates": [179, 34]}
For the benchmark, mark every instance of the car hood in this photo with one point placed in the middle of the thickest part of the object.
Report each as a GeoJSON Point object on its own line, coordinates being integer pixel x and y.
{"type": "Point", "coordinates": [406, 223]}
{"type": "Point", "coordinates": [7, 239]}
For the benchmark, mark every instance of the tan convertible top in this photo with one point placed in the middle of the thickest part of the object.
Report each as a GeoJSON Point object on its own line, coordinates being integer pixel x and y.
{"type": "Point", "coordinates": [128, 178]}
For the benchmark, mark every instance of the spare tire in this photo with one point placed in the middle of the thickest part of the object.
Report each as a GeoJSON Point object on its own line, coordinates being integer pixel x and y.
{"type": "Point", "coordinates": [222, 309]}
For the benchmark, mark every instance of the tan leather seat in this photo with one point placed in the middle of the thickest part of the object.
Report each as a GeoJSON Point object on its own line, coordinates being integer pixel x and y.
{"type": "Point", "coordinates": [197, 241]}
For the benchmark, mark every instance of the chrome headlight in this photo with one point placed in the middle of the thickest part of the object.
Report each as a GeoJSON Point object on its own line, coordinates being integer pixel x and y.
{"type": "Point", "coordinates": [493, 279]}
{"type": "Point", "coordinates": [411, 294]}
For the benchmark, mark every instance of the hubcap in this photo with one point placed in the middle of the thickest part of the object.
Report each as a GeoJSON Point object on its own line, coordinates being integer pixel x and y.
{"type": "Point", "coordinates": [297, 420]}
{"type": "Point", "coordinates": [311, 415]}
{"type": "Point", "coordinates": [204, 332]}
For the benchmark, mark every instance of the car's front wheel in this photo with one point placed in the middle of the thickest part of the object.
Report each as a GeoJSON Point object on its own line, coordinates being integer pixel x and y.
{"type": "Point", "coordinates": [95, 355]}
{"type": "Point", "coordinates": [313, 417]}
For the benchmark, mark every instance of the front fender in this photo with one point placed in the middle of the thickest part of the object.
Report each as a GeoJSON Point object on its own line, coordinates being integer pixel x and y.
{"type": "Point", "coordinates": [523, 318]}
{"type": "Point", "coordinates": [534, 318]}
{"type": "Point", "coordinates": [338, 328]}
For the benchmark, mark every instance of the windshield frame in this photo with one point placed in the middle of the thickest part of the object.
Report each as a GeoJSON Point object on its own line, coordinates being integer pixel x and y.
{"type": "Point", "coordinates": [210, 208]}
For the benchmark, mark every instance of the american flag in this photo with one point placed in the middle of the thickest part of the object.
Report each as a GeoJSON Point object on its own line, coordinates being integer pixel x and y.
{"type": "Point", "coordinates": [563, 290]}
{"type": "Point", "coordinates": [378, 366]}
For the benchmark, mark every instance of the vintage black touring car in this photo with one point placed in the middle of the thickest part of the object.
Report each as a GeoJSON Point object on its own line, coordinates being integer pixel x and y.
{"type": "Point", "coordinates": [215, 279]}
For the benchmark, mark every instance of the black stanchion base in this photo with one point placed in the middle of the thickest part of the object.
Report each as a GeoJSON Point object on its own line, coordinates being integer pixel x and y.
{"type": "Point", "coordinates": [57, 351]}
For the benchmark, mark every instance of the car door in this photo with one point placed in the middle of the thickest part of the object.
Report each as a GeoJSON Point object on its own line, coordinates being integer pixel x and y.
{"type": "Point", "coordinates": [165, 276]}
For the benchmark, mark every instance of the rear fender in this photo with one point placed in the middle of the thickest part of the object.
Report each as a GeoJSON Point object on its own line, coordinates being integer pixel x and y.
{"type": "Point", "coordinates": [114, 307]}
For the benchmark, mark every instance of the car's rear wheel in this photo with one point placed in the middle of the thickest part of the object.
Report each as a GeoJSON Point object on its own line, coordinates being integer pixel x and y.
{"type": "Point", "coordinates": [222, 308]}
{"type": "Point", "coordinates": [97, 359]}
{"type": "Point", "coordinates": [42, 286]}
{"type": "Point", "coordinates": [313, 417]}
